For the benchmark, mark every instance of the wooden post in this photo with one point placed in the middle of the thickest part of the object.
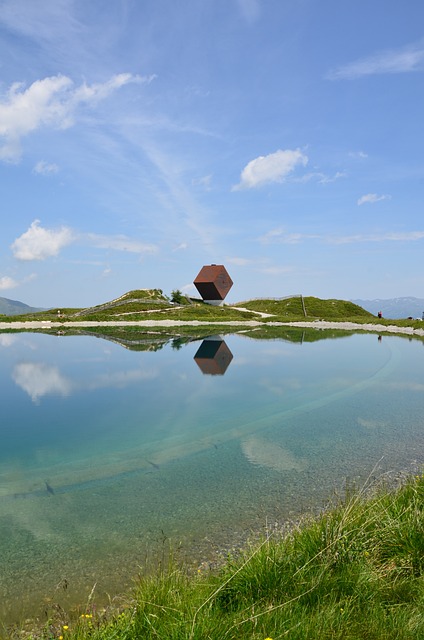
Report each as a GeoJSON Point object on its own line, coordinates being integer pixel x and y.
{"type": "Point", "coordinates": [303, 305]}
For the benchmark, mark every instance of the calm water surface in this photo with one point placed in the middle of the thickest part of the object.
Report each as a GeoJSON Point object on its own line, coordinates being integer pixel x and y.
{"type": "Point", "coordinates": [108, 455]}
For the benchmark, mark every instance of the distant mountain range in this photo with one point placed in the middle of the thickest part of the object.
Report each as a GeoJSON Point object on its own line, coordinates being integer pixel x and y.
{"type": "Point", "coordinates": [394, 308]}
{"type": "Point", "coordinates": [15, 308]}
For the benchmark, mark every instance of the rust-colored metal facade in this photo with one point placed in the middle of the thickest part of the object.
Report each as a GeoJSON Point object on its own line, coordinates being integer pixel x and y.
{"type": "Point", "coordinates": [213, 282]}
{"type": "Point", "coordinates": [213, 357]}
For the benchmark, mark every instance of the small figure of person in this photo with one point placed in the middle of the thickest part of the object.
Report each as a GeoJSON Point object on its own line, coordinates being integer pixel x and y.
{"type": "Point", "coordinates": [380, 315]}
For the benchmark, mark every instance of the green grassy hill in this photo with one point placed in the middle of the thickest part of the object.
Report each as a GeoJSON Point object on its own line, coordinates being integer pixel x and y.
{"type": "Point", "coordinates": [309, 307]}
{"type": "Point", "coordinates": [152, 304]}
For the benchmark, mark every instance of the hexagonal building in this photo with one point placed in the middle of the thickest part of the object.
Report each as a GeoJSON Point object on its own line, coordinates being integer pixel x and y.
{"type": "Point", "coordinates": [213, 283]}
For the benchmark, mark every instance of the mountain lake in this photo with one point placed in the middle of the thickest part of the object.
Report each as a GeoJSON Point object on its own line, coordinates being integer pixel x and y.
{"type": "Point", "coordinates": [115, 453]}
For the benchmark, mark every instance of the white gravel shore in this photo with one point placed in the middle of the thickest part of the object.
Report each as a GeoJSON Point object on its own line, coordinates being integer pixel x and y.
{"type": "Point", "coordinates": [318, 324]}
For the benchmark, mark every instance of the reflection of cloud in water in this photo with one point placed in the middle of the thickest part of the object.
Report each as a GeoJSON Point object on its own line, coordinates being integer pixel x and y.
{"type": "Point", "coordinates": [6, 340]}
{"type": "Point", "coordinates": [371, 424]}
{"type": "Point", "coordinates": [272, 455]}
{"type": "Point", "coordinates": [121, 379]}
{"type": "Point", "coordinates": [39, 380]}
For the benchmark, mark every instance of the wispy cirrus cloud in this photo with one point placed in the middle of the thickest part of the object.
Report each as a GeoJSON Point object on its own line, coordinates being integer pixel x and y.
{"type": "Point", "coordinates": [370, 198]}
{"type": "Point", "coordinates": [407, 236]}
{"type": "Point", "coordinates": [250, 10]}
{"type": "Point", "coordinates": [276, 270]}
{"type": "Point", "coordinates": [361, 155]}
{"type": "Point", "coordinates": [118, 243]}
{"type": "Point", "coordinates": [240, 262]}
{"type": "Point", "coordinates": [321, 178]}
{"type": "Point", "coordinates": [256, 263]}
{"type": "Point", "coordinates": [275, 167]}
{"type": "Point", "coordinates": [406, 60]}
{"type": "Point", "coordinates": [45, 168]}
{"type": "Point", "coordinates": [43, 21]}
{"type": "Point", "coordinates": [51, 102]}
{"type": "Point", "coordinates": [40, 243]}
{"type": "Point", "coordinates": [280, 236]}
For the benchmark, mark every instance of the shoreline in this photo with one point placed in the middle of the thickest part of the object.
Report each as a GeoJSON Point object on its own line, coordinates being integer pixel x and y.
{"type": "Point", "coordinates": [317, 324]}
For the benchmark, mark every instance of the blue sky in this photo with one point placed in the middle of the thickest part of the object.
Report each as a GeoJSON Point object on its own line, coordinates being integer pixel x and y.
{"type": "Point", "coordinates": [142, 139]}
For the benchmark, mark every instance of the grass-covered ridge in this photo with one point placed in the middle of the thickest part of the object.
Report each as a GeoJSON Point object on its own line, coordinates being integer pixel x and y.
{"type": "Point", "coordinates": [307, 307]}
{"type": "Point", "coordinates": [151, 304]}
{"type": "Point", "coordinates": [355, 572]}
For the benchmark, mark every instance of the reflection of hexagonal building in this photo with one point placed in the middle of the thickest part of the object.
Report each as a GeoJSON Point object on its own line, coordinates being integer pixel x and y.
{"type": "Point", "coordinates": [213, 356]}
{"type": "Point", "coordinates": [213, 283]}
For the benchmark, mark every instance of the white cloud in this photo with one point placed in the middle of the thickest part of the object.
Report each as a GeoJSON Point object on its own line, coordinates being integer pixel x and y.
{"type": "Point", "coordinates": [7, 283]}
{"type": "Point", "coordinates": [38, 243]}
{"type": "Point", "coordinates": [272, 168]}
{"type": "Point", "coordinates": [401, 61]}
{"type": "Point", "coordinates": [358, 154]}
{"type": "Point", "coordinates": [45, 169]}
{"type": "Point", "coordinates": [371, 198]}
{"type": "Point", "coordinates": [51, 102]}
{"type": "Point", "coordinates": [92, 94]}
{"type": "Point", "coordinates": [327, 179]}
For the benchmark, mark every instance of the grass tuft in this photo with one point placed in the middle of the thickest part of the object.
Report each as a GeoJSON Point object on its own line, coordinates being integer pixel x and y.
{"type": "Point", "coordinates": [355, 572]}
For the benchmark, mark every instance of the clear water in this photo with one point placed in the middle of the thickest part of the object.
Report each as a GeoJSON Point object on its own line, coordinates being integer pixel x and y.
{"type": "Point", "coordinates": [108, 455]}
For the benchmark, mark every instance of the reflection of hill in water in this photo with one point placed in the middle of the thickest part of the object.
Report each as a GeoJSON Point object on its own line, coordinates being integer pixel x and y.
{"type": "Point", "coordinates": [153, 340]}
{"type": "Point", "coordinates": [296, 334]}
{"type": "Point", "coordinates": [136, 340]}
{"type": "Point", "coordinates": [139, 343]}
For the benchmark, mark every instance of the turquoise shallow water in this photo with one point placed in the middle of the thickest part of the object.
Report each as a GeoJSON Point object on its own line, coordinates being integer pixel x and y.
{"type": "Point", "coordinates": [109, 455]}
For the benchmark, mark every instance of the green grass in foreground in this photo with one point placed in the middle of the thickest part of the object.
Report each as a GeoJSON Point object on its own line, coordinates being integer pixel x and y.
{"type": "Point", "coordinates": [356, 572]}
